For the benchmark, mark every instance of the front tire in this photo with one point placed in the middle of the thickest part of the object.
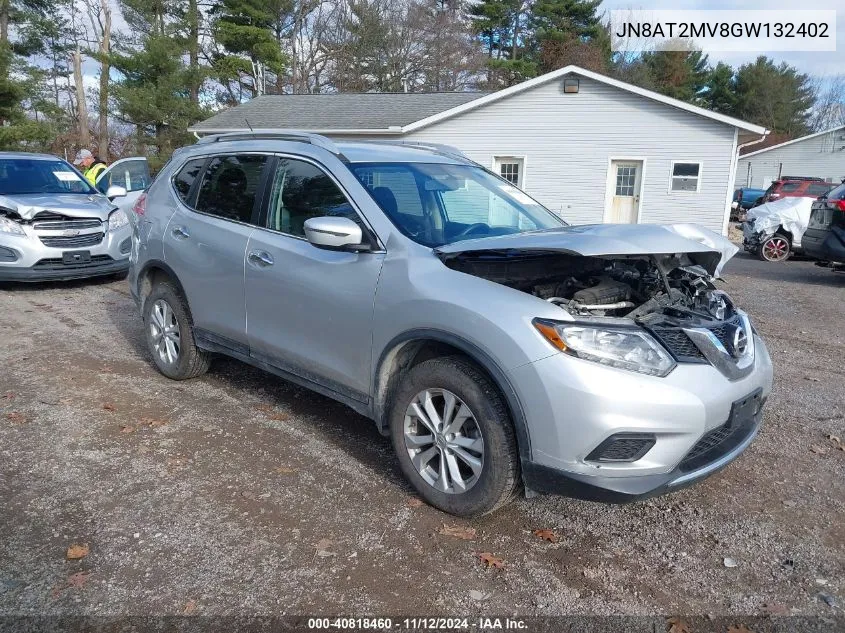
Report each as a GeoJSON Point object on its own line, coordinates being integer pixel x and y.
{"type": "Point", "coordinates": [775, 248]}
{"type": "Point", "coordinates": [454, 438]}
{"type": "Point", "coordinates": [169, 332]}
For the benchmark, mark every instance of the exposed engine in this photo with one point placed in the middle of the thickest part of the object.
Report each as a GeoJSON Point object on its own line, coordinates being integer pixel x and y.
{"type": "Point", "coordinates": [654, 290]}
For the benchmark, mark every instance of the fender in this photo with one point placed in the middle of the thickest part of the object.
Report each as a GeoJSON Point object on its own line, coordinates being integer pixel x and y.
{"type": "Point", "coordinates": [482, 358]}
{"type": "Point", "coordinates": [156, 263]}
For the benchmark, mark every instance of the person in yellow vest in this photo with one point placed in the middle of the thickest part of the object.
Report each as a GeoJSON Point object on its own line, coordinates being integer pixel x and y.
{"type": "Point", "coordinates": [90, 165]}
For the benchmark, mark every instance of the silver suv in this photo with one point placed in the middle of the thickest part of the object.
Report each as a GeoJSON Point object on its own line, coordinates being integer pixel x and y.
{"type": "Point", "coordinates": [499, 348]}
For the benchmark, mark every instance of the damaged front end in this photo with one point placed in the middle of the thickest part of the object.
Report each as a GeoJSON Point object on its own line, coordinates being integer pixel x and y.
{"type": "Point", "coordinates": [640, 312]}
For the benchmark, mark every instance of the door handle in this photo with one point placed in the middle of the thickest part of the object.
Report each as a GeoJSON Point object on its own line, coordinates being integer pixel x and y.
{"type": "Point", "coordinates": [260, 258]}
{"type": "Point", "coordinates": [181, 233]}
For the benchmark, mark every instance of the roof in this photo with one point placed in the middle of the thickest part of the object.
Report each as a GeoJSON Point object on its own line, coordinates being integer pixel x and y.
{"type": "Point", "coordinates": [795, 140]}
{"type": "Point", "coordinates": [28, 156]}
{"type": "Point", "coordinates": [369, 111]}
{"type": "Point", "coordinates": [400, 113]}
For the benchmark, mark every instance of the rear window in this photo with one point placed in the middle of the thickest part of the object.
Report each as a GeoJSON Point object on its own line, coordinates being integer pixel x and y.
{"type": "Point", "coordinates": [838, 193]}
{"type": "Point", "coordinates": [184, 180]}
{"type": "Point", "coordinates": [818, 189]}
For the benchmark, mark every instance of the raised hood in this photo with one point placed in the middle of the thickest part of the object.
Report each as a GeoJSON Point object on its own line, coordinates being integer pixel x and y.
{"type": "Point", "coordinates": [703, 247]}
{"type": "Point", "coordinates": [77, 205]}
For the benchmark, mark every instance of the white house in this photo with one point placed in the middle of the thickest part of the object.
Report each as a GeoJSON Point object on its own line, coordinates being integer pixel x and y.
{"type": "Point", "coordinates": [591, 148]}
{"type": "Point", "coordinates": [820, 155]}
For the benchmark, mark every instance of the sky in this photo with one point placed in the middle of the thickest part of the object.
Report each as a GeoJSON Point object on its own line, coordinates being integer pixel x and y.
{"type": "Point", "coordinates": [822, 64]}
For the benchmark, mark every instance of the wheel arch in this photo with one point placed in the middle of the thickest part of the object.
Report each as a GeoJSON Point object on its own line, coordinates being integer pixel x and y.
{"type": "Point", "coordinates": [153, 271]}
{"type": "Point", "coordinates": [411, 347]}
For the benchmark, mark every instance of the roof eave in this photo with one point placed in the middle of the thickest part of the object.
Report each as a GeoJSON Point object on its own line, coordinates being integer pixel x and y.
{"type": "Point", "coordinates": [537, 81]}
{"type": "Point", "coordinates": [795, 140]}
{"type": "Point", "coordinates": [325, 132]}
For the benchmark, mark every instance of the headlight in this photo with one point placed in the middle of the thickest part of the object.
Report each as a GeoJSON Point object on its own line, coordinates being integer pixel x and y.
{"type": "Point", "coordinates": [624, 348]}
{"type": "Point", "coordinates": [7, 225]}
{"type": "Point", "coordinates": [117, 219]}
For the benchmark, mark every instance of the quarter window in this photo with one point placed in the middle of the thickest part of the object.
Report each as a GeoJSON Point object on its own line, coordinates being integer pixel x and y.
{"type": "Point", "coordinates": [229, 186]}
{"type": "Point", "coordinates": [685, 176]}
{"type": "Point", "coordinates": [184, 180]}
{"type": "Point", "coordinates": [301, 191]}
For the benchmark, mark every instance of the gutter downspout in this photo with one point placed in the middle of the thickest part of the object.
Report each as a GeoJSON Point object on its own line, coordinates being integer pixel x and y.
{"type": "Point", "coordinates": [732, 181]}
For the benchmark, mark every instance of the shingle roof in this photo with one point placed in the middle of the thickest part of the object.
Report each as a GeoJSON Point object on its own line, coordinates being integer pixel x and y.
{"type": "Point", "coordinates": [324, 112]}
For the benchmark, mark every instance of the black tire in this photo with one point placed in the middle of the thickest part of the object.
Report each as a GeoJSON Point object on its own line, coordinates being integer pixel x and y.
{"type": "Point", "coordinates": [190, 361]}
{"type": "Point", "coordinates": [775, 248]}
{"type": "Point", "coordinates": [499, 479]}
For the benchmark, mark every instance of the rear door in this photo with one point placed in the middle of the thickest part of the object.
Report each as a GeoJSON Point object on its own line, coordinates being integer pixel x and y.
{"type": "Point", "coordinates": [206, 239]}
{"type": "Point", "coordinates": [310, 309]}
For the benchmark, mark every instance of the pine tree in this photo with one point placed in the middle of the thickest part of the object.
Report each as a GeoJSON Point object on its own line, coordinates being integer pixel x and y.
{"type": "Point", "coordinates": [678, 74]}
{"type": "Point", "coordinates": [776, 96]}
{"type": "Point", "coordinates": [569, 32]}
{"type": "Point", "coordinates": [720, 90]}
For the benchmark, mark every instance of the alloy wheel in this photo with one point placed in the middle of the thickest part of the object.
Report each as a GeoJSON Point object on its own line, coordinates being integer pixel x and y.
{"type": "Point", "coordinates": [444, 441]}
{"type": "Point", "coordinates": [776, 249]}
{"type": "Point", "coordinates": [164, 332]}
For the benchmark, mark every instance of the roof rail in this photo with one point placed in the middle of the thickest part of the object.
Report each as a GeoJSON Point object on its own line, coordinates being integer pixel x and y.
{"type": "Point", "coordinates": [277, 135]}
{"type": "Point", "coordinates": [446, 150]}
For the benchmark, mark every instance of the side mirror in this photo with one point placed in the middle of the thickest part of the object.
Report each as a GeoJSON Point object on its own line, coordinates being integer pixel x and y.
{"type": "Point", "coordinates": [115, 192]}
{"type": "Point", "coordinates": [333, 232]}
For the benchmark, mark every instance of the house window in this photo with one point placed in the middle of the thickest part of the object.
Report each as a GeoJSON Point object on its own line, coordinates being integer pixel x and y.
{"type": "Point", "coordinates": [685, 176]}
{"type": "Point", "coordinates": [511, 169]}
{"type": "Point", "coordinates": [626, 176]}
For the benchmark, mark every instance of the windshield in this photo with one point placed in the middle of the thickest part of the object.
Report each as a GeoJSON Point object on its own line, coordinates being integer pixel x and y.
{"type": "Point", "coordinates": [28, 175]}
{"type": "Point", "coordinates": [436, 204]}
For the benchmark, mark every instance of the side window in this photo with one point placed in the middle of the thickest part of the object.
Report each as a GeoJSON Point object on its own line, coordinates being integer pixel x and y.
{"type": "Point", "coordinates": [790, 187]}
{"type": "Point", "coordinates": [186, 177]}
{"type": "Point", "coordinates": [229, 186]}
{"type": "Point", "coordinates": [132, 175]}
{"type": "Point", "coordinates": [300, 191]}
{"type": "Point", "coordinates": [818, 189]}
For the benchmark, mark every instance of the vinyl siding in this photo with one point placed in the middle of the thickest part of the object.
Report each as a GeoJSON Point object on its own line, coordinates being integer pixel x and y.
{"type": "Point", "coordinates": [822, 156]}
{"type": "Point", "coordinates": [567, 140]}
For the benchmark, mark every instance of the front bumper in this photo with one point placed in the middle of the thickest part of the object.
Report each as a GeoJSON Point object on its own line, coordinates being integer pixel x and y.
{"type": "Point", "coordinates": [572, 406]}
{"type": "Point", "coordinates": [27, 258]}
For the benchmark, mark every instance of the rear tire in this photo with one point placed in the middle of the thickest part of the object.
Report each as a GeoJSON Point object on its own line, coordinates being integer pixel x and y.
{"type": "Point", "coordinates": [775, 248]}
{"type": "Point", "coordinates": [169, 332]}
{"type": "Point", "coordinates": [464, 461]}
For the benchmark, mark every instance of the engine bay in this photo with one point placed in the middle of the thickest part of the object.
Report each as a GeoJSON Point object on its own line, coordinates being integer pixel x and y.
{"type": "Point", "coordinates": [655, 291]}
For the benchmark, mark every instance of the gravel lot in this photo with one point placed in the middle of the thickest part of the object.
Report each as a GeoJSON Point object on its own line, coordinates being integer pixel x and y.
{"type": "Point", "coordinates": [238, 493]}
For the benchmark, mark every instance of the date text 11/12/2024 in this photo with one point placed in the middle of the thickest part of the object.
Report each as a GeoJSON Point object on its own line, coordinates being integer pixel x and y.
{"type": "Point", "coordinates": [420, 623]}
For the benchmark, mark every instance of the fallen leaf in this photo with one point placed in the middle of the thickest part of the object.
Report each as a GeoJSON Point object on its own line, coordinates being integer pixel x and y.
{"type": "Point", "coordinates": [323, 544]}
{"type": "Point", "coordinates": [811, 379]}
{"type": "Point", "coordinates": [278, 417]}
{"type": "Point", "coordinates": [414, 502]}
{"type": "Point", "coordinates": [775, 609]}
{"type": "Point", "coordinates": [833, 439]}
{"type": "Point", "coordinates": [284, 470]}
{"type": "Point", "coordinates": [457, 531]}
{"type": "Point", "coordinates": [78, 579]}
{"type": "Point", "coordinates": [489, 560]}
{"type": "Point", "coordinates": [16, 417]}
{"type": "Point", "coordinates": [7, 396]}
{"type": "Point", "coordinates": [190, 607]}
{"type": "Point", "coordinates": [819, 450]}
{"type": "Point", "coordinates": [108, 406]}
{"type": "Point", "coordinates": [75, 552]}
{"type": "Point", "coordinates": [127, 429]}
{"type": "Point", "coordinates": [152, 423]}
{"type": "Point", "coordinates": [546, 535]}
{"type": "Point", "coordinates": [677, 625]}
{"type": "Point", "coordinates": [741, 628]}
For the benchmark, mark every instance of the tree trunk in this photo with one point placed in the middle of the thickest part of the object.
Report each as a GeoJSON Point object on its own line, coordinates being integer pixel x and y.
{"type": "Point", "coordinates": [105, 68]}
{"type": "Point", "coordinates": [81, 107]}
{"type": "Point", "coordinates": [193, 50]}
{"type": "Point", "coordinates": [5, 7]}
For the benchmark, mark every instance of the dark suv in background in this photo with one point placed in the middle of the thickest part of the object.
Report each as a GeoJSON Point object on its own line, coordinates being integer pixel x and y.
{"type": "Point", "coordinates": [824, 238]}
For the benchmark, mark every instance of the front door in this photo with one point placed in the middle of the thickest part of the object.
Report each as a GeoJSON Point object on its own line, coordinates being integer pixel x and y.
{"type": "Point", "coordinates": [624, 184]}
{"type": "Point", "coordinates": [310, 309]}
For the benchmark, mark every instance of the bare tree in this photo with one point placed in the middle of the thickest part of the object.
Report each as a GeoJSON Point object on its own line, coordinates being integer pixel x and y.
{"type": "Point", "coordinates": [829, 108]}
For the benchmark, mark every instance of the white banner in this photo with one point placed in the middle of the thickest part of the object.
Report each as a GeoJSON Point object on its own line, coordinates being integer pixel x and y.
{"type": "Point", "coordinates": [772, 30]}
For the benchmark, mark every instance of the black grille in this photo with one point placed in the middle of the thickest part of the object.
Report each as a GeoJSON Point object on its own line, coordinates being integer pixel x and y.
{"type": "Point", "coordinates": [623, 447]}
{"type": "Point", "coordinates": [724, 334]}
{"type": "Point", "coordinates": [60, 241]}
{"type": "Point", "coordinates": [679, 344]}
{"type": "Point", "coordinates": [56, 263]}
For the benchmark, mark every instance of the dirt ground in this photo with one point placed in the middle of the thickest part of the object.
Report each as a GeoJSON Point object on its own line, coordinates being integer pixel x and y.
{"type": "Point", "coordinates": [238, 493]}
